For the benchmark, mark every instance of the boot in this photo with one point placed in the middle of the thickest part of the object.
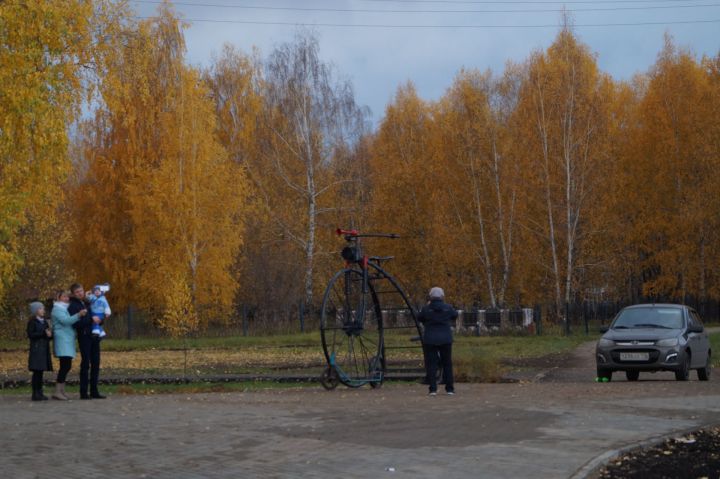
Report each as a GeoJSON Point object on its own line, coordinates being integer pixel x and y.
{"type": "Point", "coordinates": [96, 395]}
{"type": "Point", "coordinates": [35, 395]}
{"type": "Point", "coordinates": [62, 390]}
{"type": "Point", "coordinates": [59, 393]}
{"type": "Point", "coordinates": [41, 395]}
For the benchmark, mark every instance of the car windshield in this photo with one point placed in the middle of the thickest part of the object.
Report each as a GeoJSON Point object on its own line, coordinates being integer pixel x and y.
{"type": "Point", "coordinates": [667, 318]}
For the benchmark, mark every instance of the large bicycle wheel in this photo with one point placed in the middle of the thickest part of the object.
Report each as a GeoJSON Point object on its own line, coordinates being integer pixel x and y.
{"type": "Point", "coordinates": [402, 336]}
{"type": "Point", "coordinates": [351, 330]}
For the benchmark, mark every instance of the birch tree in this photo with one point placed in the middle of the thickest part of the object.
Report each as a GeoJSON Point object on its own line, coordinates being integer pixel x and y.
{"type": "Point", "coordinates": [162, 200]}
{"type": "Point", "coordinates": [310, 120]}
{"type": "Point", "coordinates": [481, 175]}
{"type": "Point", "coordinates": [406, 191]}
{"type": "Point", "coordinates": [675, 154]}
{"type": "Point", "coordinates": [47, 62]}
{"type": "Point", "coordinates": [561, 125]}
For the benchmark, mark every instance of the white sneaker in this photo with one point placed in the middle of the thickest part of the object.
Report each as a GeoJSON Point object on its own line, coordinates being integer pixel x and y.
{"type": "Point", "coordinates": [451, 393]}
{"type": "Point", "coordinates": [433, 393]}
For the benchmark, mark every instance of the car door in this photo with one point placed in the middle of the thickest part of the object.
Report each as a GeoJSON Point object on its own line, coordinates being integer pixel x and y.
{"type": "Point", "coordinates": [701, 340]}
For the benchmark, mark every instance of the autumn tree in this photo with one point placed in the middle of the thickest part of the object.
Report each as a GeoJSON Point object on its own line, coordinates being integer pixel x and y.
{"type": "Point", "coordinates": [44, 48]}
{"type": "Point", "coordinates": [675, 159]}
{"type": "Point", "coordinates": [264, 260]}
{"type": "Point", "coordinates": [48, 60]}
{"type": "Point", "coordinates": [561, 129]}
{"type": "Point", "coordinates": [614, 250]}
{"type": "Point", "coordinates": [160, 198]}
{"type": "Point", "coordinates": [479, 178]}
{"type": "Point", "coordinates": [309, 123]}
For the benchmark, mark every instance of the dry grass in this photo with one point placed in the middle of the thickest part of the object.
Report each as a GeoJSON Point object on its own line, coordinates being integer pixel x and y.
{"type": "Point", "coordinates": [199, 362]}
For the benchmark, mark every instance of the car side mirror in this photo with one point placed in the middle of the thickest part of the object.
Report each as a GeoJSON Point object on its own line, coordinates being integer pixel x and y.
{"type": "Point", "coordinates": [695, 328]}
{"type": "Point", "coordinates": [604, 329]}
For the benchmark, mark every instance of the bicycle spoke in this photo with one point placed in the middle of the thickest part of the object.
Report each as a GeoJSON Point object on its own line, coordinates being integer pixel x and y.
{"type": "Point", "coordinates": [365, 354]}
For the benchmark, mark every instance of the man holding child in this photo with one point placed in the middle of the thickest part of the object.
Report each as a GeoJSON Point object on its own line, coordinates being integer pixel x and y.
{"type": "Point", "coordinates": [89, 344]}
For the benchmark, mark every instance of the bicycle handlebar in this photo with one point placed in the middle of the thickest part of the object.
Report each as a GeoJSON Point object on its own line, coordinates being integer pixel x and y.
{"type": "Point", "coordinates": [356, 234]}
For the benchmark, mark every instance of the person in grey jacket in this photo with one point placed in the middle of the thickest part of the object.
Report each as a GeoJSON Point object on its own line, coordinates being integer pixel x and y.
{"type": "Point", "coordinates": [64, 335]}
{"type": "Point", "coordinates": [39, 359]}
{"type": "Point", "coordinates": [437, 318]}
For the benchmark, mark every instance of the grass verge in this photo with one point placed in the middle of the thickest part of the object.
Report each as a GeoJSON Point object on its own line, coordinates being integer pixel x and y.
{"type": "Point", "coordinates": [484, 359]}
{"type": "Point", "coordinates": [311, 339]}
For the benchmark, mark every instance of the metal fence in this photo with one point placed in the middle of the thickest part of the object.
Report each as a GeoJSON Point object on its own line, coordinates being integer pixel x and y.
{"type": "Point", "coordinates": [250, 320]}
{"type": "Point", "coordinates": [245, 321]}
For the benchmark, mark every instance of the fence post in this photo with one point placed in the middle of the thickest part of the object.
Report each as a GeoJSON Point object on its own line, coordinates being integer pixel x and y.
{"type": "Point", "coordinates": [567, 318]}
{"type": "Point", "coordinates": [537, 316]}
{"type": "Point", "coordinates": [129, 321]}
{"type": "Point", "coordinates": [301, 311]}
{"type": "Point", "coordinates": [244, 320]}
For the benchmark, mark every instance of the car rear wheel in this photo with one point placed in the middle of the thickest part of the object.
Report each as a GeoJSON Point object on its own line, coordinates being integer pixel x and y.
{"type": "Point", "coordinates": [604, 375]}
{"type": "Point", "coordinates": [632, 375]}
{"type": "Point", "coordinates": [704, 373]}
{"type": "Point", "coordinates": [683, 374]}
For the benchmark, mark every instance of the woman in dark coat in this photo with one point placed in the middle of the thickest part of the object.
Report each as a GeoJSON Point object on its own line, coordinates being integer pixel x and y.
{"type": "Point", "coordinates": [437, 318]}
{"type": "Point", "coordinates": [39, 360]}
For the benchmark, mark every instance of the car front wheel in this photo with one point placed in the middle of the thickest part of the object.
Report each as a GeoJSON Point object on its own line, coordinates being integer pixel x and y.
{"type": "Point", "coordinates": [683, 374]}
{"type": "Point", "coordinates": [704, 373]}
{"type": "Point", "coordinates": [632, 375]}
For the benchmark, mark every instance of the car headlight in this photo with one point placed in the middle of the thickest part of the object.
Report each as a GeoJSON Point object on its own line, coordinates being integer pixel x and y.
{"type": "Point", "coordinates": [667, 342]}
{"type": "Point", "coordinates": [605, 343]}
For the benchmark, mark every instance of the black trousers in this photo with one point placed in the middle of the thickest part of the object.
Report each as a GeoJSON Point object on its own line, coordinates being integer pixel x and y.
{"type": "Point", "coordinates": [426, 356]}
{"type": "Point", "coordinates": [89, 363]}
{"type": "Point", "coordinates": [37, 381]}
{"type": "Point", "coordinates": [442, 354]}
{"type": "Point", "coordinates": [65, 366]}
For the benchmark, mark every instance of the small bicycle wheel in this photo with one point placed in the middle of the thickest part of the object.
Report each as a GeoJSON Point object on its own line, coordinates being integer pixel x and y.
{"type": "Point", "coordinates": [329, 378]}
{"type": "Point", "coordinates": [351, 330]}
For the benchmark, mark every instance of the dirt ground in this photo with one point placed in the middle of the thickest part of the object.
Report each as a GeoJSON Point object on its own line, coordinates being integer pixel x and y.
{"type": "Point", "coordinates": [694, 455]}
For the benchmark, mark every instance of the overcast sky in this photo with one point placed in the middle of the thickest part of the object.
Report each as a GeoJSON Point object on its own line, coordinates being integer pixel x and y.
{"type": "Point", "coordinates": [381, 44]}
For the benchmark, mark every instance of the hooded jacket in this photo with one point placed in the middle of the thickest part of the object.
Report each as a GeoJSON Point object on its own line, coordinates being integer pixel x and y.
{"type": "Point", "coordinates": [437, 317]}
{"type": "Point", "coordinates": [63, 332]}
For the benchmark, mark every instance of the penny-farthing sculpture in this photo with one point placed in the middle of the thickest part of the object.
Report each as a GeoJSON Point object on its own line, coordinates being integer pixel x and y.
{"type": "Point", "coordinates": [362, 303]}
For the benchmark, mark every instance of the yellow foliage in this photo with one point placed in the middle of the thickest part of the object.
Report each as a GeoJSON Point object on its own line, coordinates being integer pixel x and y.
{"type": "Point", "coordinates": [160, 202]}
{"type": "Point", "coordinates": [549, 183]}
{"type": "Point", "coordinates": [179, 316]}
{"type": "Point", "coordinates": [45, 45]}
{"type": "Point", "coordinates": [404, 191]}
{"type": "Point", "coordinates": [673, 156]}
{"type": "Point", "coordinates": [561, 127]}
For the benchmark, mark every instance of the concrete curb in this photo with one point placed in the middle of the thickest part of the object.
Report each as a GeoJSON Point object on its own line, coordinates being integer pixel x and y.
{"type": "Point", "coordinates": [16, 383]}
{"type": "Point", "coordinates": [590, 468]}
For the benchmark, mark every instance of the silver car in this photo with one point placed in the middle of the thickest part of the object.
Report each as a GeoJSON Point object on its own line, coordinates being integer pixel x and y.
{"type": "Point", "coordinates": [654, 337]}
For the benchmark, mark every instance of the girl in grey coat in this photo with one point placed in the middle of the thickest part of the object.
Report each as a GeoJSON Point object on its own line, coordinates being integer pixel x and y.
{"type": "Point", "coordinates": [39, 359]}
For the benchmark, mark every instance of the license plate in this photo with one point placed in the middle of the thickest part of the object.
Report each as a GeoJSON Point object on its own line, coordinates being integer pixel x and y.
{"type": "Point", "coordinates": [634, 356]}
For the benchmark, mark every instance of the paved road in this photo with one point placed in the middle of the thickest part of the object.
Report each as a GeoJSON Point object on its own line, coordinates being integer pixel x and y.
{"type": "Point", "coordinates": [546, 429]}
